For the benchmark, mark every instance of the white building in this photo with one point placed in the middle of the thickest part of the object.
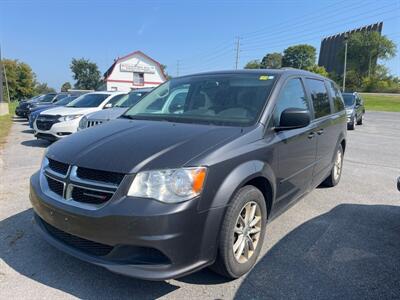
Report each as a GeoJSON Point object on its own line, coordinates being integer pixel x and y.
{"type": "Point", "coordinates": [135, 70]}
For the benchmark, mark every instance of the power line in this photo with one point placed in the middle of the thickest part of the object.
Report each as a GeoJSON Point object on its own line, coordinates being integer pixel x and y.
{"type": "Point", "coordinates": [320, 16]}
{"type": "Point", "coordinates": [315, 34]}
{"type": "Point", "coordinates": [268, 39]}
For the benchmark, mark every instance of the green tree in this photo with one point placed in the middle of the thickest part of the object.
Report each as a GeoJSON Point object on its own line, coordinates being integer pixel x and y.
{"type": "Point", "coordinates": [364, 49]}
{"type": "Point", "coordinates": [299, 56]}
{"type": "Point", "coordinates": [66, 86]}
{"type": "Point", "coordinates": [164, 69]}
{"type": "Point", "coordinates": [43, 88]}
{"type": "Point", "coordinates": [86, 74]}
{"type": "Point", "coordinates": [20, 79]}
{"type": "Point", "coordinates": [253, 64]}
{"type": "Point", "coordinates": [272, 61]}
{"type": "Point", "coordinates": [318, 70]}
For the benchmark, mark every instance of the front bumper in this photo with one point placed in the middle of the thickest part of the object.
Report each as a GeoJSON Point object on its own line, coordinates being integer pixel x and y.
{"type": "Point", "coordinates": [132, 227]}
{"type": "Point", "coordinates": [22, 112]}
{"type": "Point", "coordinates": [57, 130]}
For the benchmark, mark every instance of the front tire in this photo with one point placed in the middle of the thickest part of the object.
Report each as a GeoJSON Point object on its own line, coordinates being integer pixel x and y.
{"type": "Point", "coordinates": [336, 172]}
{"type": "Point", "coordinates": [242, 233]}
{"type": "Point", "coordinates": [359, 122]}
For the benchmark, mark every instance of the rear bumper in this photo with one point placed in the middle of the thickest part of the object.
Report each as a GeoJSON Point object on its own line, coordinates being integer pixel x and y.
{"type": "Point", "coordinates": [184, 239]}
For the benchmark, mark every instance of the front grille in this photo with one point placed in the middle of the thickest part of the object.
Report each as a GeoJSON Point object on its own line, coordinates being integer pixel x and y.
{"type": "Point", "coordinates": [90, 196]}
{"type": "Point", "coordinates": [58, 167]}
{"type": "Point", "coordinates": [45, 122]}
{"type": "Point", "coordinates": [76, 242]}
{"type": "Point", "coordinates": [102, 176]}
{"type": "Point", "coordinates": [93, 123]}
{"type": "Point", "coordinates": [76, 184]}
{"type": "Point", "coordinates": [55, 186]}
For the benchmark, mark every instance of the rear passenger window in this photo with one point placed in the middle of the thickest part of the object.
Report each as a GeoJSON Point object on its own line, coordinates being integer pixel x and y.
{"type": "Point", "coordinates": [320, 97]}
{"type": "Point", "coordinates": [336, 97]}
{"type": "Point", "coordinates": [292, 96]}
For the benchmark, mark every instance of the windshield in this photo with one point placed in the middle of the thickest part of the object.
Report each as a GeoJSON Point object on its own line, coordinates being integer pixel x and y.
{"type": "Point", "coordinates": [348, 99]}
{"type": "Point", "coordinates": [46, 98]}
{"type": "Point", "coordinates": [66, 100]}
{"type": "Point", "coordinates": [88, 100]}
{"type": "Point", "coordinates": [59, 97]}
{"type": "Point", "coordinates": [221, 99]}
{"type": "Point", "coordinates": [131, 99]}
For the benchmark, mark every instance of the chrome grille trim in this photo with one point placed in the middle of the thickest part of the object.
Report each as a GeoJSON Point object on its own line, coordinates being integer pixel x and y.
{"type": "Point", "coordinates": [71, 180]}
{"type": "Point", "coordinates": [74, 177]}
{"type": "Point", "coordinates": [91, 123]}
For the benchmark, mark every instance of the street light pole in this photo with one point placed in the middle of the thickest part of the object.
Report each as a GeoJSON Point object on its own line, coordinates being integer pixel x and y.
{"type": "Point", "coordinates": [345, 62]}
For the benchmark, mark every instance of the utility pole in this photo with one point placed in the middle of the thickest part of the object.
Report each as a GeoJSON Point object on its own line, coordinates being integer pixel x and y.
{"type": "Point", "coordinates": [3, 104]}
{"type": "Point", "coordinates": [1, 79]}
{"type": "Point", "coordinates": [237, 52]}
{"type": "Point", "coordinates": [177, 67]}
{"type": "Point", "coordinates": [345, 62]}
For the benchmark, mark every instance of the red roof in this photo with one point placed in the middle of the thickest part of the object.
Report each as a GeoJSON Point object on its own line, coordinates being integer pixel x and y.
{"type": "Point", "coordinates": [111, 68]}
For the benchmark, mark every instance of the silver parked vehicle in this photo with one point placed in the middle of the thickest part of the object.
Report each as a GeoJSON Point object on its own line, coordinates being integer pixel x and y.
{"type": "Point", "coordinates": [117, 110]}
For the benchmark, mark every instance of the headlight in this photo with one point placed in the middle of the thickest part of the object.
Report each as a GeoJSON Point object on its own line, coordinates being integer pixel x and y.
{"type": "Point", "coordinates": [68, 118]}
{"type": "Point", "coordinates": [170, 185]}
{"type": "Point", "coordinates": [82, 123]}
{"type": "Point", "coordinates": [349, 112]}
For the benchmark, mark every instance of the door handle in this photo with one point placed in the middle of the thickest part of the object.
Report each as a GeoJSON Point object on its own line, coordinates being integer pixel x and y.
{"type": "Point", "coordinates": [311, 135]}
{"type": "Point", "coordinates": [320, 132]}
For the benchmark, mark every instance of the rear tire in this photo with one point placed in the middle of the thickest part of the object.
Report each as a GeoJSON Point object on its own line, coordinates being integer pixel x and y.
{"type": "Point", "coordinates": [336, 172]}
{"type": "Point", "coordinates": [359, 122]}
{"type": "Point", "coordinates": [242, 233]}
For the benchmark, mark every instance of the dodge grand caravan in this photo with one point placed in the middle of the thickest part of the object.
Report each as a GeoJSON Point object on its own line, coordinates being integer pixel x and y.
{"type": "Point", "coordinates": [189, 176]}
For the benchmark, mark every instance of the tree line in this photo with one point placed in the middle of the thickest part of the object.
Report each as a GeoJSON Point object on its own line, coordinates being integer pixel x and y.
{"type": "Point", "coordinates": [363, 74]}
{"type": "Point", "coordinates": [22, 82]}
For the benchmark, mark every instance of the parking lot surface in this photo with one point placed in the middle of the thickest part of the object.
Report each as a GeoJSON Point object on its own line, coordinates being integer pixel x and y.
{"type": "Point", "coordinates": [342, 242]}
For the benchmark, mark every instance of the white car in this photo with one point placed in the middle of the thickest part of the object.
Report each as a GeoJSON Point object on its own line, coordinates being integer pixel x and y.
{"type": "Point", "coordinates": [59, 122]}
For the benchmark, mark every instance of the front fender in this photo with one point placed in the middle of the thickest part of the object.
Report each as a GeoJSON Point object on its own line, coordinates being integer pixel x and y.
{"type": "Point", "coordinates": [238, 177]}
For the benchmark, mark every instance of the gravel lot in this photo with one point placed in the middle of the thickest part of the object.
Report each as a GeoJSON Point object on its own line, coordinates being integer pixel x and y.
{"type": "Point", "coordinates": [335, 243]}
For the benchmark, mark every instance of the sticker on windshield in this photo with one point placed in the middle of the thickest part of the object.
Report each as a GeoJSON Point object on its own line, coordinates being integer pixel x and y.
{"type": "Point", "coordinates": [266, 77]}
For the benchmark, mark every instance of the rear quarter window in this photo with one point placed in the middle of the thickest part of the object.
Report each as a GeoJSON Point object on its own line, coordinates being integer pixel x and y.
{"type": "Point", "coordinates": [338, 103]}
{"type": "Point", "coordinates": [320, 99]}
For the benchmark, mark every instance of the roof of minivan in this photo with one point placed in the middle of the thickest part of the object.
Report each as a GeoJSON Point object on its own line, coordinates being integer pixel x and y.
{"type": "Point", "coordinates": [282, 71]}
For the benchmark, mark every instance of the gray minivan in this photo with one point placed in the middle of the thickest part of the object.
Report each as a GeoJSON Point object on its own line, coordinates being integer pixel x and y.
{"type": "Point", "coordinates": [189, 176]}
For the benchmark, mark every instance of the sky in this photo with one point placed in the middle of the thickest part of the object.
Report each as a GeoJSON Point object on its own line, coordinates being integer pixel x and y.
{"type": "Point", "coordinates": [187, 36]}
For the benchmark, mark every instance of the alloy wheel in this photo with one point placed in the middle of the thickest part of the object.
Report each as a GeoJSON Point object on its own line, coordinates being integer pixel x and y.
{"type": "Point", "coordinates": [247, 232]}
{"type": "Point", "coordinates": [337, 169]}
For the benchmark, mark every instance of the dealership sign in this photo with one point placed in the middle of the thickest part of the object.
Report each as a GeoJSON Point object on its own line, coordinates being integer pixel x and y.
{"type": "Point", "coordinates": [137, 68]}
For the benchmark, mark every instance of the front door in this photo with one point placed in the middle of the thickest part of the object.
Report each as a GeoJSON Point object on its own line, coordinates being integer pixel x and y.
{"type": "Point", "coordinates": [296, 148]}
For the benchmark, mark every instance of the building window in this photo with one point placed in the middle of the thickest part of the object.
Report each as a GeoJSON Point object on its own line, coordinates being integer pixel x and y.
{"type": "Point", "coordinates": [138, 78]}
{"type": "Point", "coordinates": [114, 88]}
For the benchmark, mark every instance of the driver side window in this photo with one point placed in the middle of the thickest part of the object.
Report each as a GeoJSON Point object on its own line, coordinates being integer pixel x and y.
{"type": "Point", "coordinates": [292, 95]}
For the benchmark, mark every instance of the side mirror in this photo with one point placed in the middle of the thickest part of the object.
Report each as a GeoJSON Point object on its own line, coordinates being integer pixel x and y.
{"type": "Point", "coordinates": [108, 105]}
{"type": "Point", "coordinates": [292, 118]}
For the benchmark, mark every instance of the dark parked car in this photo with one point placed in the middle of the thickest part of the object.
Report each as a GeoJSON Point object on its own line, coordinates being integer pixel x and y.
{"type": "Point", "coordinates": [23, 107]}
{"type": "Point", "coordinates": [189, 176]}
{"type": "Point", "coordinates": [354, 109]}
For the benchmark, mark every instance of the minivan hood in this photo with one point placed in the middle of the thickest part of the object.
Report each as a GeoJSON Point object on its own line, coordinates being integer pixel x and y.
{"type": "Point", "coordinates": [107, 114]}
{"type": "Point", "coordinates": [64, 110]}
{"type": "Point", "coordinates": [127, 146]}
